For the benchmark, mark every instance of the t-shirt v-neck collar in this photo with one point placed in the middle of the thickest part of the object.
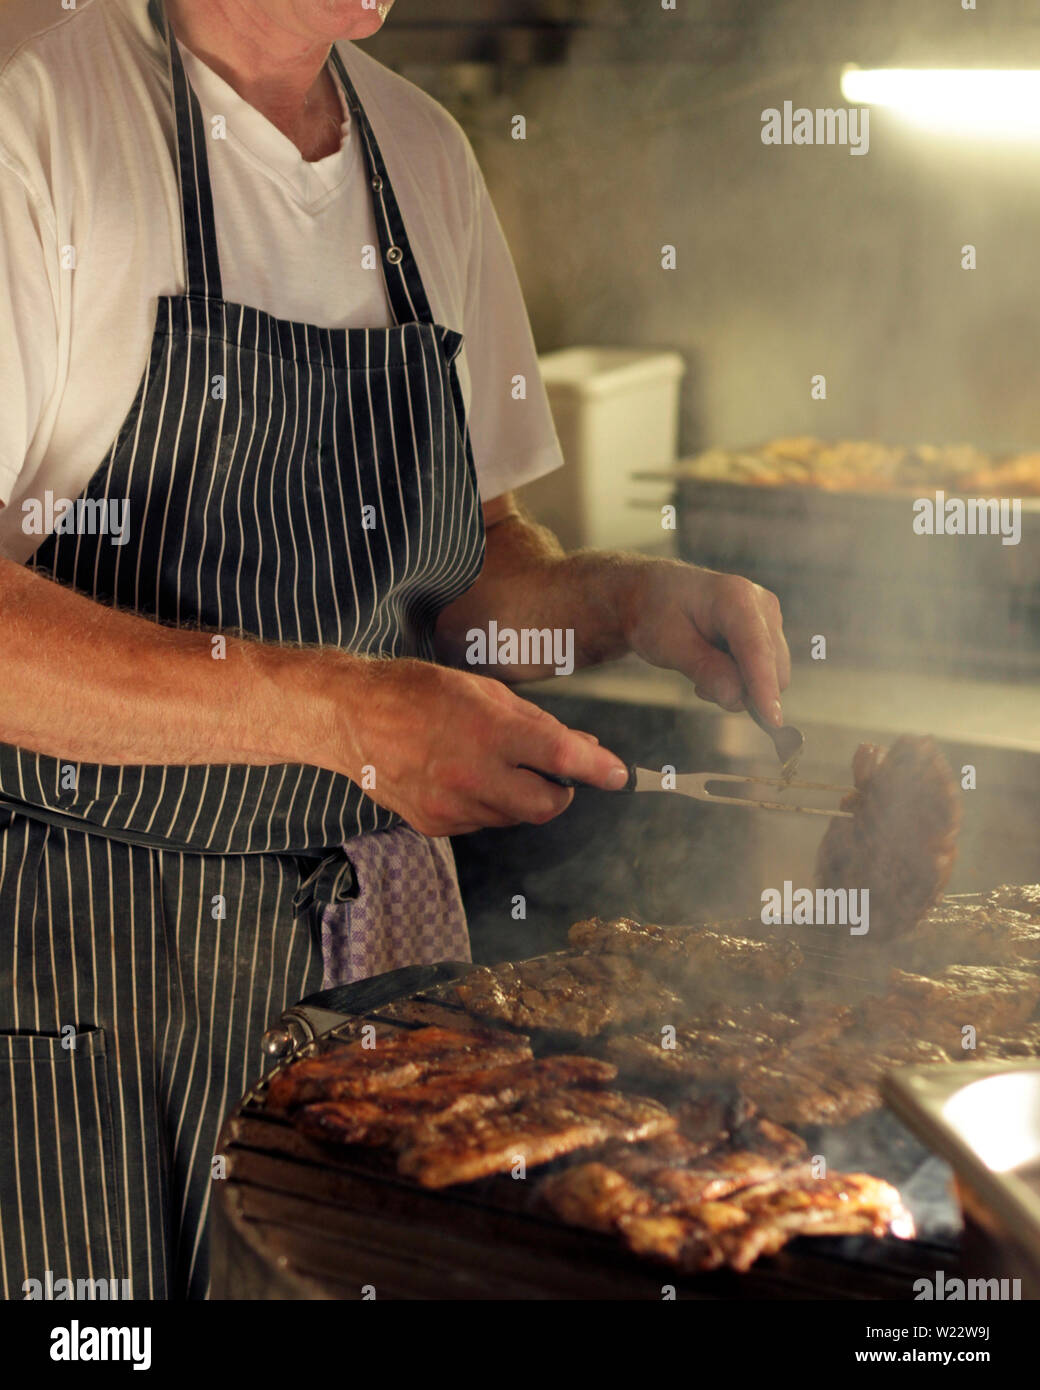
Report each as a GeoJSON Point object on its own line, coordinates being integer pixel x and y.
{"type": "Point", "coordinates": [259, 141]}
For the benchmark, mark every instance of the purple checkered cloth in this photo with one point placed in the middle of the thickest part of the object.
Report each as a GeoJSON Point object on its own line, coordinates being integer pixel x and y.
{"type": "Point", "coordinates": [408, 910]}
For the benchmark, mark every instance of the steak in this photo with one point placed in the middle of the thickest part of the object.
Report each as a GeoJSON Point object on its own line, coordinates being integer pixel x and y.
{"type": "Point", "coordinates": [902, 839]}
{"type": "Point", "coordinates": [1019, 897]}
{"type": "Point", "coordinates": [992, 999]}
{"type": "Point", "coordinates": [572, 993]}
{"type": "Point", "coordinates": [984, 934]}
{"type": "Point", "coordinates": [707, 958]}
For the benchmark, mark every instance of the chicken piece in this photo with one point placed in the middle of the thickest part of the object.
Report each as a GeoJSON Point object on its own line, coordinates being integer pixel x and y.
{"type": "Point", "coordinates": [593, 1196]}
{"type": "Point", "coordinates": [398, 1059]}
{"type": "Point", "coordinates": [693, 1243]}
{"type": "Point", "coordinates": [761, 1220]}
{"type": "Point", "coordinates": [901, 842]}
{"type": "Point", "coordinates": [669, 1174]}
{"type": "Point", "coordinates": [680, 1175]}
{"type": "Point", "coordinates": [843, 1204]}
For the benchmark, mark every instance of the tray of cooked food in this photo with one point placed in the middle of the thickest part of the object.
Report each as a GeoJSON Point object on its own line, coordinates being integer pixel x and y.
{"type": "Point", "coordinates": [865, 465]}
{"type": "Point", "coordinates": [913, 555]}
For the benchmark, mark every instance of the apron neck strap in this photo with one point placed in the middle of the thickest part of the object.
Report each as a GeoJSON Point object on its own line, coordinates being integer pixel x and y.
{"type": "Point", "coordinates": [404, 284]}
{"type": "Point", "coordinates": [201, 259]}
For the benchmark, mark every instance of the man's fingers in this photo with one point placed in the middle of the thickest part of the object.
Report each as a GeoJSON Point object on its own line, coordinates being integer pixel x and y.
{"type": "Point", "coordinates": [750, 642]}
{"type": "Point", "coordinates": [714, 674]}
{"type": "Point", "coordinates": [549, 746]}
{"type": "Point", "coordinates": [520, 797]}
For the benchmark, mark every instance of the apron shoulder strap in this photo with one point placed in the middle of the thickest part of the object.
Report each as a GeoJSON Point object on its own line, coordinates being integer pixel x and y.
{"type": "Point", "coordinates": [403, 282]}
{"type": "Point", "coordinates": [201, 259]}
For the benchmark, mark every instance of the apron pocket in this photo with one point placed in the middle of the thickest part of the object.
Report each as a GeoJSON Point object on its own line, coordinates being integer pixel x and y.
{"type": "Point", "coordinates": [59, 1204]}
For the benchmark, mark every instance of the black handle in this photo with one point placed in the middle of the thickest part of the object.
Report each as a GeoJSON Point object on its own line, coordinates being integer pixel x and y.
{"type": "Point", "coordinates": [629, 786]}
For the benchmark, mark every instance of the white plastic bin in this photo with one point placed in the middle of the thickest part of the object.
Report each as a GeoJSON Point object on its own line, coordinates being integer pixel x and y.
{"type": "Point", "coordinates": [616, 412]}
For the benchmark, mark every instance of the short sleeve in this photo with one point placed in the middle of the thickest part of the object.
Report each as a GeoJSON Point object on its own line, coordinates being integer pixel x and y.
{"type": "Point", "coordinates": [513, 437]}
{"type": "Point", "coordinates": [28, 323]}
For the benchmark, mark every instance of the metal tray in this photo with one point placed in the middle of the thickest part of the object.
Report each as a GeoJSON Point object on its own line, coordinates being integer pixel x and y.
{"type": "Point", "coordinates": [983, 1118]}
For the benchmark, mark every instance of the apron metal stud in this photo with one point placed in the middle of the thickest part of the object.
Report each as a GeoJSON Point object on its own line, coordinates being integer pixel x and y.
{"type": "Point", "coordinates": [377, 184]}
{"type": "Point", "coordinates": [395, 254]}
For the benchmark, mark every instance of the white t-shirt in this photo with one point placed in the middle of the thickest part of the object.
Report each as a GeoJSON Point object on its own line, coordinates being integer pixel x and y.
{"type": "Point", "coordinates": [86, 171]}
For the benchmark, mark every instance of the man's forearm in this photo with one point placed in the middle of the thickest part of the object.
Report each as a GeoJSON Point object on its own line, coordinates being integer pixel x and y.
{"type": "Point", "coordinates": [89, 683]}
{"type": "Point", "coordinates": [529, 583]}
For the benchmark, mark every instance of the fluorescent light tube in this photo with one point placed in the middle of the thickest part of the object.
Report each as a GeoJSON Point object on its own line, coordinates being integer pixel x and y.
{"type": "Point", "coordinates": [992, 103]}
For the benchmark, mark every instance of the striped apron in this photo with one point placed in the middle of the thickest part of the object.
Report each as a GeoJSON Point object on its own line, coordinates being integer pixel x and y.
{"type": "Point", "coordinates": [303, 485]}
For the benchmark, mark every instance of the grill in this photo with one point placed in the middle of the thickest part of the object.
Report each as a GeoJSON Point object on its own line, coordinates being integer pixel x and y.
{"type": "Point", "coordinates": [297, 1220]}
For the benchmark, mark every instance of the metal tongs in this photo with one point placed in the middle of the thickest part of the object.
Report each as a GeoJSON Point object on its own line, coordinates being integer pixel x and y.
{"type": "Point", "coordinates": [788, 742]}
{"type": "Point", "coordinates": [695, 784]}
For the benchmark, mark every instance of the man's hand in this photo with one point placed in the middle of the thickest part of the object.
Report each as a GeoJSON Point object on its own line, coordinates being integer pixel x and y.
{"type": "Point", "coordinates": [723, 632]}
{"type": "Point", "coordinates": [447, 748]}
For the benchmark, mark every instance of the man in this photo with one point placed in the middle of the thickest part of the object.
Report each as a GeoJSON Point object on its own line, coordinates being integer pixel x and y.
{"type": "Point", "coordinates": [257, 334]}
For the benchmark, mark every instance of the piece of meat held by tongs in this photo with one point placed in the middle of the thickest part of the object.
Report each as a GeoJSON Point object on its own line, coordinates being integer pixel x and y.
{"type": "Point", "coordinates": [901, 841]}
{"type": "Point", "coordinates": [698, 785]}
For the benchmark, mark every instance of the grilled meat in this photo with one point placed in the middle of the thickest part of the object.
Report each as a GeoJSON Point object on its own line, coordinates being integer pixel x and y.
{"type": "Point", "coordinates": [708, 1118]}
{"type": "Point", "coordinates": [568, 993]}
{"type": "Point", "coordinates": [724, 1047]}
{"type": "Point", "coordinates": [594, 1196]}
{"type": "Point", "coordinates": [473, 1146]}
{"type": "Point", "coordinates": [798, 1097]}
{"type": "Point", "coordinates": [843, 1204]}
{"type": "Point", "coordinates": [692, 1243]}
{"type": "Point", "coordinates": [669, 1174]}
{"type": "Point", "coordinates": [758, 1018]}
{"type": "Point", "coordinates": [351, 1070]}
{"type": "Point", "coordinates": [1024, 1043]}
{"type": "Point", "coordinates": [1019, 897]}
{"type": "Point", "coordinates": [693, 1054]}
{"type": "Point", "coordinates": [834, 1082]}
{"type": "Point", "coordinates": [902, 839]}
{"type": "Point", "coordinates": [983, 934]}
{"type": "Point", "coordinates": [772, 1140]}
{"type": "Point", "coordinates": [761, 1220]}
{"type": "Point", "coordinates": [727, 1207]}
{"type": "Point", "coordinates": [993, 999]}
{"type": "Point", "coordinates": [394, 1115]}
{"type": "Point", "coordinates": [707, 958]}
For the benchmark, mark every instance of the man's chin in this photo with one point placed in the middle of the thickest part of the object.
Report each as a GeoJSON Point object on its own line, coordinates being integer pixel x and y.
{"type": "Point", "coordinates": [366, 22]}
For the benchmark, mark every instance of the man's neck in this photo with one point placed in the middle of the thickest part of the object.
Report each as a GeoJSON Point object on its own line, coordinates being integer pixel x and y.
{"type": "Point", "coordinates": [278, 71]}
